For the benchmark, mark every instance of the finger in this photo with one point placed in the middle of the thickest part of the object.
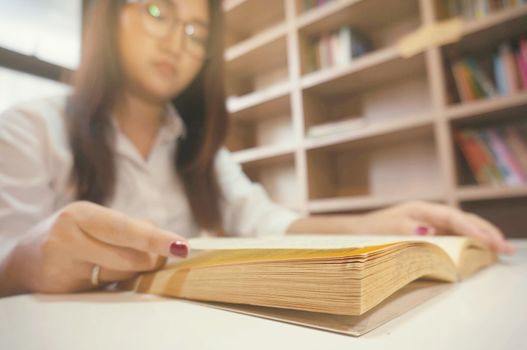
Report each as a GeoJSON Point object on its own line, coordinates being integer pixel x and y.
{"type": "Point", "coordinates": [85, 248]}
{"type": "Point", "coordinates": [118, 229]}
{"type": "Point", "coordinates": [461, 223]}
{"type": "Point", "coordinates": [106, 275]}
{"type": "Point", "coordinates": [499, 241]}
{"type": "Point", "coordinates": [450, 219]}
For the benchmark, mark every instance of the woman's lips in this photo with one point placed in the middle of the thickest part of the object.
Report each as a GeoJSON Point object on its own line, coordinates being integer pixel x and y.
{"type": "Point", "coordinates": [165, 68]}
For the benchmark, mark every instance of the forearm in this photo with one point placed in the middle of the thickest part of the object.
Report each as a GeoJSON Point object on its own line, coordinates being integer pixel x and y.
{"type": "Point", "coordinates": [328, 224]}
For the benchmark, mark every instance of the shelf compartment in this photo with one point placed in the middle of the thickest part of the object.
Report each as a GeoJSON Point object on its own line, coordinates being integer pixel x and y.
{"type": "Point", "coordinates": [382, 28]}
{"type": "Point", "coordinates": [481, 39]}
{"type": "Point", "coordinates": [392, 165]}
{"type": "Point", "coordinates": [268, 124]}
{"type": "Point", "coordinates": [400, 99]}
{"type": "Point", "coordinates": [238, 28]}
{"type": "Point", "coordinates": [278, 176]}
{"type": "Point", "coordinates": [253, 69]}
{"type": "Point", "coordinates": [266, 44]}
{"type": "Point", "coordinates": [493, 118]}
{"type": "Point", "coordinates": [506, 213]}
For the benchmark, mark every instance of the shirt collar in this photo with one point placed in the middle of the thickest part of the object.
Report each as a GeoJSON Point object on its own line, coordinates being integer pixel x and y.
{"type": "Point", "coordinates": [173, 126]}
{"type": "Point", "coordinates": [172, 129]}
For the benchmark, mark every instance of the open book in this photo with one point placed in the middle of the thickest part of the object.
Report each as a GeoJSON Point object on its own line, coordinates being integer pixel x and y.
{"type": "Point", "coordinates": [305, 277]}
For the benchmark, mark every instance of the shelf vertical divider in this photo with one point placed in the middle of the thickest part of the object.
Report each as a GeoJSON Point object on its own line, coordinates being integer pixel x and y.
{"type": "Point", "coordinates": [297, 110]}
{"type": "Point", "coordinates": [442, 132]}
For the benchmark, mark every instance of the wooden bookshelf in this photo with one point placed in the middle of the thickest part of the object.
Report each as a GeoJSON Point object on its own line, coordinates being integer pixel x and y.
{"type": "Point", "coordinates": [404, 150]}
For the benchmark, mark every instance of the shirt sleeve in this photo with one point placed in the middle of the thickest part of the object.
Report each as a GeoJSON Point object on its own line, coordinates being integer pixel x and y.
{"type": "Point", "coordinates": [26, 196]}
{"type": "Point", "coordinates": [246, 208]}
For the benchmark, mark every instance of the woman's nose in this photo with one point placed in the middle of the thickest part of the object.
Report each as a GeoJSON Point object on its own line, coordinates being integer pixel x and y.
{"type": "Point", "coordinates": [175, 40]}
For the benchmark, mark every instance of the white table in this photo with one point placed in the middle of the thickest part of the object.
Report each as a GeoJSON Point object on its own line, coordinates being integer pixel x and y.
{"type": "Point", "coordinates": [487, 311]}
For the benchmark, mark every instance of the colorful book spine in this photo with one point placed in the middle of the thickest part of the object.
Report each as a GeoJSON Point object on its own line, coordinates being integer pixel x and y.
{"type": "Point", "coordinates": [516, 176]}
{"type": "Point", "coordinates": [521, 58]}
{"type": "Point", "coordinates": [484, 84]}
{"type": "Point", "coordinates": [474, 157]}
{"type": "Point", "coordinates": [502, 167]}
{"type": "Point", "coordinates": [518, 146]}
{"type": "Point", "coordinates": [494, 172]}
{"type": "Point", "coordinates": [462, 81]}
{"type": "Point", "coordinates": [499, 75]}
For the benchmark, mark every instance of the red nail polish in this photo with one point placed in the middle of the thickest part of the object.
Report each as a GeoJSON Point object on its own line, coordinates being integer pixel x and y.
{"type": "Point", "coordinates": [422, 230]}
{"type": "Point", "coordinates": [178, 248]}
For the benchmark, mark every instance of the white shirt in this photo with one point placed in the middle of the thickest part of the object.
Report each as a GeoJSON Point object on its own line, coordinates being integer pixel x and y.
{"type": "Point", "coordinates": [36, 167]}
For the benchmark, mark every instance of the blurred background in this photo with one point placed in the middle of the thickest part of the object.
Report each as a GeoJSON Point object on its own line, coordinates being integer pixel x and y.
{"type": "Point", "coordinates": [343, 106]}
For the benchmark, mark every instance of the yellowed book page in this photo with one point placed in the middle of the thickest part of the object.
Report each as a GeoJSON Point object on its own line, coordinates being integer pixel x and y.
{"type": "Point", "coordinates": [216, 257]}
{"type": "Point", "coordinates": [397, 304]}
{"type": "Point", "coordinates": [452, 245]}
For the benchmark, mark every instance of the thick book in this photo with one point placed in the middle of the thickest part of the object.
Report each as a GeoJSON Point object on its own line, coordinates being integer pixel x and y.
{"type": "Point", "coordinates": [319, 277]}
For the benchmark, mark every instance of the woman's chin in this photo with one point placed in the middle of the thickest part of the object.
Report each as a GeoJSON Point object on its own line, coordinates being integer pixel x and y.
{"type": "Point", "coordinates": [163, 91]}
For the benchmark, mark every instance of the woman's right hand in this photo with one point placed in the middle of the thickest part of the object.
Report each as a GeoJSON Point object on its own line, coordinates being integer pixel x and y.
{"type": "Point", "coordinates": [58, 255]}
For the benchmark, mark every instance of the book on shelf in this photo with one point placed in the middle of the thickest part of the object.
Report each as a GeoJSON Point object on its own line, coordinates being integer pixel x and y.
{"type": "Point", "coordinates": [338, 47]}
{"type": "Point", "coordinates": [348, 284]}
{"type": "Point", "coordinates": [338, 126]}
{"type": "Point", "coordinates": [503, 74]}
{"type": "Point", "coordinates": [496, 156]}
{"type": "Point", "coordinates": [478, 9]}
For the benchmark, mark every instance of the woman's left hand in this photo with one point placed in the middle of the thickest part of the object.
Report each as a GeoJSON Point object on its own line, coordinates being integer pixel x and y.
{"type": "Point", "coordinates": [424, 218]}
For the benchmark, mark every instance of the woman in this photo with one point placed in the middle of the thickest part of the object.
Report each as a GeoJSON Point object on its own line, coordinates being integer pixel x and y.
{"type": "Point", "coordinates": [109, 181]}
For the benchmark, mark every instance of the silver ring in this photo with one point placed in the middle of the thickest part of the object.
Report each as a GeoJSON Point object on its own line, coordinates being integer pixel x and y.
{"type": "Point", "coordinates": [95, 272]}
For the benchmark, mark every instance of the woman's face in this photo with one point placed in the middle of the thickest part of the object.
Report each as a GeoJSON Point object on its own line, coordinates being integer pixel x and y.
{"type": "Point", "coordinates": [162, 45]}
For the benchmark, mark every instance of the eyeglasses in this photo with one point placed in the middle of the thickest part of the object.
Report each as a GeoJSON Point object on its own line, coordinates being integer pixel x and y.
{"type": "Point", "coordinates": [160, 19]}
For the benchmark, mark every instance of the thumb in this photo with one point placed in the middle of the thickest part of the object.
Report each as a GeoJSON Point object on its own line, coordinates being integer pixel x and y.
{"type": "Point", "coordinates": [160, 261]}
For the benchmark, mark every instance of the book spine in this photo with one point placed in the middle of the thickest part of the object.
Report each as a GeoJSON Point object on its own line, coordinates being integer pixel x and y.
{"type": "Point", "coordinates": [497, 175]}
{"type": "Point", "coordinates": [475, 161]}
{"type": "Point", "coordinates": [484, 83]}
{"type": "Point", "coordinates": [499, 73]}
{"type": "Point", "coordinates": [507, 156]}
{"type": "Point", "coordinates": [522, 69]}
{"type": "Point", "coordinates": [345, 40]}
{"type": "Point", "coordinates": [461, 84]}
{"type": "Point", "coordinates": [518, 147]}
{"type": "Point", "coordinates": [508, 178]}
{"type": "Point", "coordinates": [469, 82]}
{"type": "Point", "coordinates": [522, 60]}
